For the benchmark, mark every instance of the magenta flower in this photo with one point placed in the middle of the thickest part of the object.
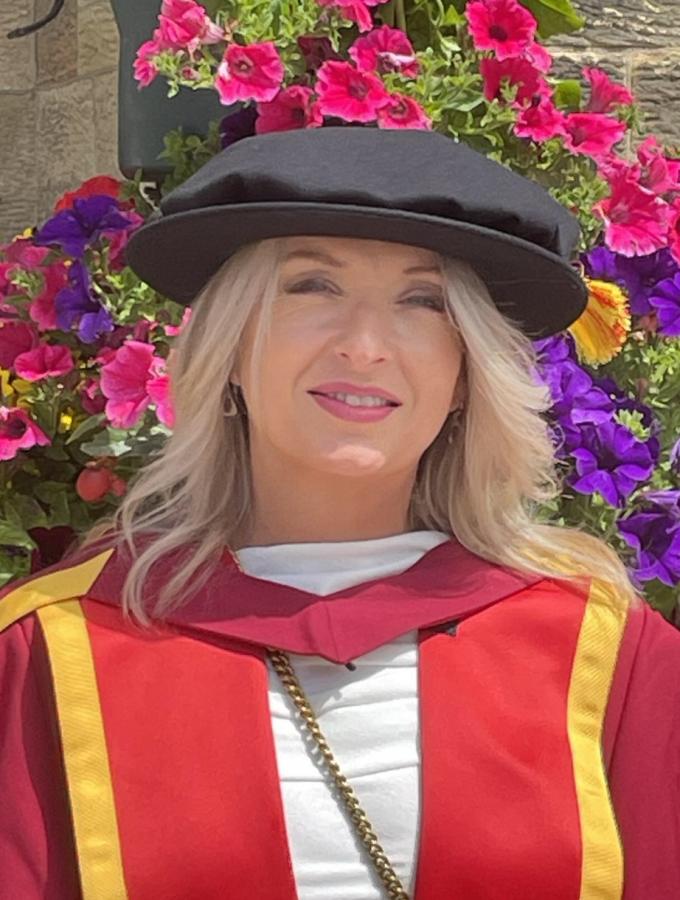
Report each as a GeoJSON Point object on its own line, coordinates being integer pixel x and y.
{"type": "Point", "coordinates": [44, 361]}
{"type": "Point", "coordinates": [403, 112]}
{"type": "Point", "coordinates": [538, 56]}
{"type": "Point", "coordinates": [592, 134]}
{"type": "Point", "coordinates": [15, 338]}
{"type": "Point", "coordinates": [18, 432]}
{"type": "Point", "coordinates": [185, 25]}
{"type": "Point", "coordinates": [605, 94]}
{"type": "Point", "coordinates": [383, 50]}
{"type": "Point", "coordinates": [253, 72]}
{"type": "Point", "coordinates": [123, 381]}
{"type": "Point", "coordinates": [173, 330]}
{"type": "Point", "coordinates": [520, 72]}
{"type": "Point", "coordinates": [636, 222]}
{"type": "Point", "coordinates": [293, 107]}
{"type": "Point", "coordinates": [503, 26]}
{"type": "Point", "coordinates": [158, 390]}
{"type": "Point", "coordinates": [540, 121]}
{"type": "Point", "coordinates": [346, 92]}
{"type": "Point", "coordinates": [658, 173]}
{"type": "Point", "coordinates": [144, 69]}
{"type": "Point", "coordinates": [25, 253]}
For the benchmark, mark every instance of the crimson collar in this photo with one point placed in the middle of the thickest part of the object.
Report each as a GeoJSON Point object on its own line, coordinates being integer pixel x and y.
{"type": "Point", "coordinates": [446, 584]}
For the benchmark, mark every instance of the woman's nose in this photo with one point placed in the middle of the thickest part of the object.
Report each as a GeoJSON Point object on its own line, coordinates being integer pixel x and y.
{"type": "Point", "coordinates": [364, 337]}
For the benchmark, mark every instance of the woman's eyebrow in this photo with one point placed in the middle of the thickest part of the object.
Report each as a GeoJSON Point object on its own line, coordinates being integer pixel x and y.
{"type": "Point", "coordinates": [321, 256]}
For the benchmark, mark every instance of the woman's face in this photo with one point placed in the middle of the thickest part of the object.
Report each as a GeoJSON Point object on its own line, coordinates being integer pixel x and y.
{"type": "Point", "coordinates": [352, 316]}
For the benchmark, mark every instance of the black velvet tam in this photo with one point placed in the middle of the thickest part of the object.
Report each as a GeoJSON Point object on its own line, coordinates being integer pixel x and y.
{"type": "Point", "coordinates": [411, 186]}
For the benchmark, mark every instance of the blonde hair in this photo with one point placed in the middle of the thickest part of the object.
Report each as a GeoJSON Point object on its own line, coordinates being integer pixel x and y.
{"type": "Point", "coordinates": [485, 492]}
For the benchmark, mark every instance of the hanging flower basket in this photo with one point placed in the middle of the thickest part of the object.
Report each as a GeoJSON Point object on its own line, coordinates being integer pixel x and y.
{"type": "Point", "coordinates": [146, 116]}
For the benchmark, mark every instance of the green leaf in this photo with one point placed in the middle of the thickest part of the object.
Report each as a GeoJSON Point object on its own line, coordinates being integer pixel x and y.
{"type": "Point", "coordinates": [55, 494]}
{"type": "Point", "coordinates": [554, 16]}
{"type": "Point", "coordinates": [85, 427]}
{"type": "Point", "coordinates": [568, 94]}
{"type": "Point", "coordinates": [14, 536]}
{"type": "Point", "coordinates": [26, 511]}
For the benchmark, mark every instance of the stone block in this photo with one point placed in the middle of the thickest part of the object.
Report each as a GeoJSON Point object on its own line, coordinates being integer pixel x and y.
{"type": "Point", "coordinates": [97, 38]}
{"type": "Point", "coordinates": [626, 24]}
{"type": "Point", "coordinates": [56, 44]}
{"type": "Point", "coordinates": [17, 56]}
{"type": "Point", "coordinates": [569, 63]}
{"type": "Point", "coordinates": [105, 95]}
{"type": "Point", "coordinates": [656, 84]}
{"type": "Point", "coordinates": [66, 144]}
{"type": "Point", "coordinates": [18, 189]}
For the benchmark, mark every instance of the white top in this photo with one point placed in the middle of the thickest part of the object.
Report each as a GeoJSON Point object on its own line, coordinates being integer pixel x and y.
{"type": "Point", "coordinates": [369, 716]}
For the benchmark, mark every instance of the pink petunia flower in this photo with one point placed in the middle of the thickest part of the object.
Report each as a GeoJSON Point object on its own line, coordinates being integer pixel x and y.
{"type": "Point", "coordinates": [383, 50]}
{"type": "Point", "coordinates": [253, 72]}
{"type": "Point", "coordinates": [24, 252]}
{"type": "Point", "coordinates": [293, 107]}
{"type": "Point", "coordinates": [349, 94]}
{"type": "Point", "coordinates": [636, 222]}
{"type": "Point", "coordinates": [403, 112]}
{"type": "Point", "coordinates": [158, 391]}
{"type": "Point", "coordinates": [185, 25]}
{"type": "Point", "coordinates": [538, 56]}
{"type": "Point", "coordinates": [15, 338]}
{"type": "Point", "coordinates": [43, 309]}
{"type": "Point", "coordinates": [540, 121]}
{"type": "Point", "coordinates": [592, 134]}
{"type": "Point", "coordinates": [123, 381]}
{"type": "Point", "coordinates": [144, 69]}
{"type": "Point", "coordinates": [605, 94]}
{"type": "Point", "coordinates": [44, 361]}
{"type": "Point", "coordinates": [173, 330]}
{"type": "Point", "coordinates": [503, 26]}
{"type": "Point", "coordinates": [659, 173]}
{"type": "Point", "coordinates": [520, 72]}
{"type": "Point", "coordinates": [19, 432]}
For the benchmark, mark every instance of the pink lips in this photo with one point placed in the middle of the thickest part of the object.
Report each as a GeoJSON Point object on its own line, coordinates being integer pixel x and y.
{"type": "Point", "coordinates": [353, 413]}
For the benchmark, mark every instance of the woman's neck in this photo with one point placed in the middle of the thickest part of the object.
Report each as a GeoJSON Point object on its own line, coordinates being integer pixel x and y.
{"type": "Point", "coordinates": [317, 507]}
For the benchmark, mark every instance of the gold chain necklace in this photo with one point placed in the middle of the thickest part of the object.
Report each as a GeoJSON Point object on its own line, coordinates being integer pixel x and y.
{"type": "Point", "coordinates": [284, 669]}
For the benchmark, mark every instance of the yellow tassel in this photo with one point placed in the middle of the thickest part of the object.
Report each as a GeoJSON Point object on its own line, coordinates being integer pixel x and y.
{"type": "Point", "coordinates": [602, 328]}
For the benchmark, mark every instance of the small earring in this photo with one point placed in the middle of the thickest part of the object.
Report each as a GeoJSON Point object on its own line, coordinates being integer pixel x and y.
{"type": "Point", "coordinates": [230, 408]}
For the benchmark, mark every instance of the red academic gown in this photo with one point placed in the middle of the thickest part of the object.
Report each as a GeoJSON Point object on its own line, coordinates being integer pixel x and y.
{"type": "Point", "coordinates": [142, 765]}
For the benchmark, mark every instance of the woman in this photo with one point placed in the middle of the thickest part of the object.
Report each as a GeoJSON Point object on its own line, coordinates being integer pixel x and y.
{"type": "Point", "coordinates": [324, 649]}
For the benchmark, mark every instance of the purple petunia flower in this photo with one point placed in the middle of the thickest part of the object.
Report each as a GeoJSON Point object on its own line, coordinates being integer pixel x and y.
{"type": "Point", "coordinates": [610, 461]}
{"type": "Point", "coordinates": [77, 303]}
{"type": "Point", "coordinates": [76, 229]}
{"type": "Point", "coordinates": [638, 275]}
{"type": "Point", "coordinates": [665, 298]}
{"type": "Point", "coordinates": [631, 404]}
{"type": "Point", "coordinates": [654, 533]}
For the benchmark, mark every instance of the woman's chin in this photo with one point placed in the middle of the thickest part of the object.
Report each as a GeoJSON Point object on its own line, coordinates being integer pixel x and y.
{"type": "Point", "coordinates": [352, 457]}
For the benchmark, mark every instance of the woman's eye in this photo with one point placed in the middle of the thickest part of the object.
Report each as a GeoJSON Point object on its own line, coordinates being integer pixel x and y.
{"type": "Point", "coordinates": [436, 303]}
{"type": "Point", "coordinates": [310, 284]}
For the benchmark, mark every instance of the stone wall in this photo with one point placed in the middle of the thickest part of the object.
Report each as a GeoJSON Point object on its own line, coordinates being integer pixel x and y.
{"type": "Point", "coordinates": [58, 89]}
